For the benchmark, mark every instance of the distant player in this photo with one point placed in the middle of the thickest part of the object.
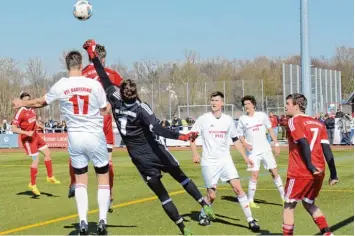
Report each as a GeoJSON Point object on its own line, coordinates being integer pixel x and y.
{"type": "Point", "coordinates": [81, 101]}
{"type": "Point", "coordinates": [309, 145]}
{"type": "Point", "coordinates": [139, 129]}
{"type": "Point", "coordinates": [90, 72]}
{"type": "Point", "coordinates": [216, 130]}
{"type": "Point", "coordinates": [252, 133]}
{"type": "Point", "coordinates": [25, 124]}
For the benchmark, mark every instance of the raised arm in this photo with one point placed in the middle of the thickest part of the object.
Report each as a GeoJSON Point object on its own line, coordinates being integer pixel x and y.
{"type": "Point", "coordinates": [112, 93]}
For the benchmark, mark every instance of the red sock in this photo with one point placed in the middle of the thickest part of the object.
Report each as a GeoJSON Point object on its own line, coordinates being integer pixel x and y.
{"type": "Point", "coordinates": [322, 224]}
{"type": "Point", "coordinates": [49, 168]}
{"type": "Point", "coordinates": [72, 174]}
{"type": "Point", "coordinates": [33, 175]}
{"type": "Point", "coordinates": [287, 229]}
{"type": "Point", "coordinates": [111, 175]}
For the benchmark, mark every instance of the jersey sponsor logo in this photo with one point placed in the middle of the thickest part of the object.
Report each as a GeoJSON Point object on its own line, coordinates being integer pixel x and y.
{"type": "Point", "coordinates": [77, 89]}
{"type": "Point", "coordinates": [128, 113]}
{"type": "Point", "coordinates": [217, 134]}
{"type": "Point", "coordinates": [31, 120]}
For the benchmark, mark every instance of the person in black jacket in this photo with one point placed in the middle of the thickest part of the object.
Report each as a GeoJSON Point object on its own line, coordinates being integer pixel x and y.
{"type": "Point", "coordinates": [329, 124]}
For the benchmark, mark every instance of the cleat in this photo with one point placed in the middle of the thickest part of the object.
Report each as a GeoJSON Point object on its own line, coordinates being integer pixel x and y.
{"type": "Point", "coordinates": [71, 192]}
{"type": "Point", "coordinates": [203, 220]}
{"type": "Point", "coordinates": [110, 209]}
{"type": "Point", "coordinates": [209, 212]}
{"type": "Point", "coordinates": [52, 180]}
{"type": "Point", "coordinates": [101, 228]}
{"type": "Point", "coordinates": [253, 205]}
{"type": "Point", "coordinates": [254, 226]}
{"type": "Point", "coordinates": [34, 189]}
{"type": "Point", "coordinates": [84, 228]}
{"type": "Point", "coordinates": [187, 231]}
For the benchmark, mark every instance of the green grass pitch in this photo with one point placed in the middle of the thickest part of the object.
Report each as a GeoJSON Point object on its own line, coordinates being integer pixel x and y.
{"type": "Point", "coordinates": [136, 212]}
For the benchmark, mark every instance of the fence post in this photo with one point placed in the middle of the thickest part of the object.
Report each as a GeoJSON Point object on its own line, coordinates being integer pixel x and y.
{"type": "Point", "coordinates": [262, 95]}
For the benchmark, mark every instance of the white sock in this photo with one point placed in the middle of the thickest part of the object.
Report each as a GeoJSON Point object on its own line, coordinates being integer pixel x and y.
{"type": "Point", "coordinates": [251, 190]}
{"type": "Point", "coordinates": [82, 202]}
{"type": "Point", "coordinates": [103, 199]}
{"type": "Point", "coordinates": [280, 187]}
{"type": "Point", "coordinates": [244, 203]}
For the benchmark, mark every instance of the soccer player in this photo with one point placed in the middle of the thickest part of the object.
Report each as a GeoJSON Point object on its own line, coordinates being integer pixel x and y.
{"type": "Point", "coordinates": [252, 133]}
{"type": "Point", "coordinates": [25, 124]}
{"type": "Point", "coordinates": [81, 102]}
{"type": "Point", "coordinates": [90, 72]}
{"type": "Point", "coordinates": [216, 130]}
{"type": "Point", "coordinates": [139, 128]}
{"type": "Point", "coordinates": [309, 145]}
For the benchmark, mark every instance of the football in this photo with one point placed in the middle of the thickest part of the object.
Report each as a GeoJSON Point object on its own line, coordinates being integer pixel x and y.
{"type": "Point", "coordinates": [82, 10]}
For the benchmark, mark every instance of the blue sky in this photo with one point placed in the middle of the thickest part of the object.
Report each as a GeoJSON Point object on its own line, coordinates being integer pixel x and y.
{"type": "Point", "coordinates": [162, 30]}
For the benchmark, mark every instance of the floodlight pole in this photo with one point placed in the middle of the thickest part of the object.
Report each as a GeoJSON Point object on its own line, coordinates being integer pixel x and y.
{"type": "Point", "coordinates": [305, 58]}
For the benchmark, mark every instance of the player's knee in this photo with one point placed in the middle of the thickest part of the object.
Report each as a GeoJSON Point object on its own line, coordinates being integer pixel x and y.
{"type": "Point", "coordinates": [102, 170]}
{"type": "Point", "coordinates": [212, 195]}
{"type": "Point", "coordinates": [80, 171]}
{"type": "Point", "coordinates": [274, 173]}
{"type": "Point", "coordinates": [310, 207]}
{"type": "Point", "coordinates": [109, 149]}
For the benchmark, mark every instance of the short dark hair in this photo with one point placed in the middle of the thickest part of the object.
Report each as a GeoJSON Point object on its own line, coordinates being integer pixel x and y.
{"type": "Point", "coordinates": [216, 94]}
{"type": "Point", "coordinates": [100, 51]}
{"type": "Point", "coordinates": [25, 95]}
{"type": "Point", "coordinates": [73, 60]}
{"type": "Point", "coordinates": [128, 90]}
{"type": "Point", "coordinates": [249, 98]}
{"type": "Point", "coordinates": [298, 99]}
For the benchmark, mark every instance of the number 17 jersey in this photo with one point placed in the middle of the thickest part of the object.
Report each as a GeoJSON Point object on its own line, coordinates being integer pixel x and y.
{"type": "Point", "coordinates": [80, 102]}
{"type": "Point", "coordinates": [302, 126]}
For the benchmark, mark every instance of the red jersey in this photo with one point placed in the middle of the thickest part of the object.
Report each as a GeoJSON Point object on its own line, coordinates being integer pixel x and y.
{"type": "Point", "coordinates": [26, 119]}
{"type": "Point", "coordinates": [302, 126]}
{"type": "Point", "coordinates": [274, 122]}
{"type": "Point", "coordinates": [90, 72]}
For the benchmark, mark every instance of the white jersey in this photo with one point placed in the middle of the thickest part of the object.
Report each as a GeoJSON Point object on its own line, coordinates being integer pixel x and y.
{"type": "Point", "coordinates": [253, 129]}
{"type": "Point", "coordinates": [216, 134]}
{"type": "Point", "coordinates": [80, 102]}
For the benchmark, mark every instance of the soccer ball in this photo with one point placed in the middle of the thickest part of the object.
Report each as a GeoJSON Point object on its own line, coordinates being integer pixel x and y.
{"type": "Point", "coordinates": [82, 10]}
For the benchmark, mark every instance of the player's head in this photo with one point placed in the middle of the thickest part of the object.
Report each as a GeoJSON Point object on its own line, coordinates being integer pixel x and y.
{"type": "Point", "coordinates": [101, 53]}
{"type": "Point", "coordinates": [25, 96]}
{"type": "Point", "coordinates": [128, 91]}
{"type": "Point", "coordinates": [74, 61]}
{"type": "Point", "coordinates": [217, 101]}
{"type": "Point", "coordinates": [249, 103]}
{"type": "Point", "coordinates": [295, 103]}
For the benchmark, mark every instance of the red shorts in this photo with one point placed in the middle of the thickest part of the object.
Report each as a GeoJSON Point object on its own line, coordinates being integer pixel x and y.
{"type": "Point", "coordinates": [108, 130]}
{"type": "Point", "coordinates": [303, 189]}
{"type": "Point", "coordinates": [33, 145]}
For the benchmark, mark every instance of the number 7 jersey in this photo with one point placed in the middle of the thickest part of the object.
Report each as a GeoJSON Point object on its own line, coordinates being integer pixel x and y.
{"type": "Point", "coordinates": [303, 126]}
{"type": "Point", "coordinates": [80, 102]}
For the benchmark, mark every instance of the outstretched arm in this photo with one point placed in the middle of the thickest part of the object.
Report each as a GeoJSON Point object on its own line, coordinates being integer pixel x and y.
{"type": "Point", "coordinates": [33, 103]}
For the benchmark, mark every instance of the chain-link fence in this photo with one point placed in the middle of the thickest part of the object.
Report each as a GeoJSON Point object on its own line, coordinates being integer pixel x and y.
{"type": "Point", "coordinates": [326, 86]}
{"type": "Point", "coordinates": [193, 98]}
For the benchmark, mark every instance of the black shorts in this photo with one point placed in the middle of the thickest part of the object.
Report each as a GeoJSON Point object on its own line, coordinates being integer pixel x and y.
{"type": "Point", "coordinates": [150, 162]}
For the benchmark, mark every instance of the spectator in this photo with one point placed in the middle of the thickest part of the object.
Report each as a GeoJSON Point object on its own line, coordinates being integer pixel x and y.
{"type": "Point", "coordinates": [318, 117]}
{"type": "Point", "coordinates": [165, 123]}
{"type": "Point", "coordinates": [330, 125]}
{"type": "Point", "coordinates": [176, 123]}
{"type": "Point", "coordinates": [190, 121]}
{"type": "Point", "coordinates": [236, 120]}
{"type": "Point", "coordinates": [345, 128]}
{"type": "Point", "coordinates": [283, 125]}
{"type": "Point", "coordinates": [274, 124]}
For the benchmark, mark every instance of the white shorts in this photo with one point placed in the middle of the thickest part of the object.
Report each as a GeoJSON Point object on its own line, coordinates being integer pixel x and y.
{"type": "Point", "coordinates": [84, 147]}
{"type": "Point", "coordinates": [224, 170]}
{"type": "Point", "coordinates": [267, 158]}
